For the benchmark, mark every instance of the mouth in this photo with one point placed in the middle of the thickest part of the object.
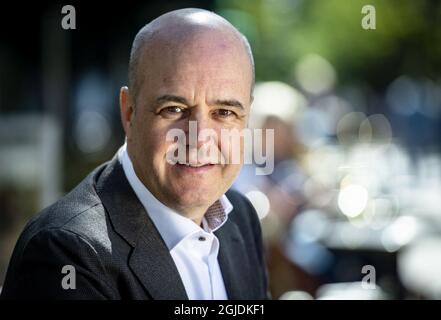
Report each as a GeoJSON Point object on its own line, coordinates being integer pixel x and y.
{"type": "Point", "coordinates": [195, 168]}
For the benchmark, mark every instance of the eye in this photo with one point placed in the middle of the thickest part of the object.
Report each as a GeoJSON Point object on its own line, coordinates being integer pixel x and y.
{"type": "Point", "coordinates": [172, 112]}
{"type": "Point", "coordinates": [173, 109]}
{"type": "Point", "coordinates": [224, 113]}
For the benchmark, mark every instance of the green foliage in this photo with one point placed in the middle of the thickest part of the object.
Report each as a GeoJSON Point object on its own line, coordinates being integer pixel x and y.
{"type": "Point", "coordinates": [407, 38]}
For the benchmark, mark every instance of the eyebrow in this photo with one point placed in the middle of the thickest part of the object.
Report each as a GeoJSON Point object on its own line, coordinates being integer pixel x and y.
{"type": "Point", "coordinates": [230, 103]}
{"type": "Point", "coordinates": [220, 102]}
{"type": "Point", "coordinates": [172, 98]}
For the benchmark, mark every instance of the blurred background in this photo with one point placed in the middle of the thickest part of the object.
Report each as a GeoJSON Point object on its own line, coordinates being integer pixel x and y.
{"type": "Point", "coordinates": [353, 207]}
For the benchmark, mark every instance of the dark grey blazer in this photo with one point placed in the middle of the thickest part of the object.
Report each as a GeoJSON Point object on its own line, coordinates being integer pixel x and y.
{"type": "Point", "coordinates": [103, 231]}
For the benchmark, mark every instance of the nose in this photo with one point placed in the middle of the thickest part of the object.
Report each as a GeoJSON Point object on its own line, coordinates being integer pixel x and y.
{"type": "Point", "coordinates": [200, 128]}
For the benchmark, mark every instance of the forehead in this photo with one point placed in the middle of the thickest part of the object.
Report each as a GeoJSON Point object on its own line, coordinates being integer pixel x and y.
{"type": "Point", "coordinates": [200, 61]}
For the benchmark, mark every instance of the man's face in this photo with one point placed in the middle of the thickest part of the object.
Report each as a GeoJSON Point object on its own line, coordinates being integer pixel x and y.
{"type": "Point", "coordinates": [207, 80]}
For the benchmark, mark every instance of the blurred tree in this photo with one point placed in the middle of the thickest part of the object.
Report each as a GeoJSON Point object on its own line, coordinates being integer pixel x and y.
{"type": "Point", "coordinates": [407, 38]}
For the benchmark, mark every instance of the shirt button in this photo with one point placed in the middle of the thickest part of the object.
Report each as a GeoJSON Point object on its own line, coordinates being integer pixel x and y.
{"type": "Point", "coordinates": [201, 238]}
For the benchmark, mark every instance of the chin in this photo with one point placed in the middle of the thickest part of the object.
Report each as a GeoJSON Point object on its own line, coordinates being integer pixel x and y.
{"type": "Point", "coordinates": [196, 195]}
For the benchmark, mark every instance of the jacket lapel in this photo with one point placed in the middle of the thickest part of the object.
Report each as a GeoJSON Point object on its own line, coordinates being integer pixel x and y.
{"type": "Point", "coordinates": [150, 261]}
{"type": "Point", "coordinates": [233, 261]}
{"type": "Point", "coordinates": [154, 266]}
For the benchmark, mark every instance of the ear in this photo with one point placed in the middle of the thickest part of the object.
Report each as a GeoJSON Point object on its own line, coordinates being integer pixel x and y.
{"type": "Point", "coordinates": [127, 109]}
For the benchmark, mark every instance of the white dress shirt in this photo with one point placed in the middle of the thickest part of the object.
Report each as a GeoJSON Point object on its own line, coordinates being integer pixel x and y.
{"type": "Point", "coordinates": [193, 249]}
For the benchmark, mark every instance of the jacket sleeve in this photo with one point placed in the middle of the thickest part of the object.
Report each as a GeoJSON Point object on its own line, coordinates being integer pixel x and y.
{"type": "Point", "coordinates": [56, 264]}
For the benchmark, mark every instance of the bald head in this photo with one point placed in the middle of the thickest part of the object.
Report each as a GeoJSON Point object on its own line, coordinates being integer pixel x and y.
{"type": "Point", "coordinates": [176, 30]}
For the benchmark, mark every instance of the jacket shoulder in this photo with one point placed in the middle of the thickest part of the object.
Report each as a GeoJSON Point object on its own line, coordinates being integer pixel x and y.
{"type": "Point", "coordinates": [79, 208]}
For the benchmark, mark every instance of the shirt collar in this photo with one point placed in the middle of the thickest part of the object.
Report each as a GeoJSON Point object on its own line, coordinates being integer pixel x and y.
{"type": "Point", "coordinates": [173, 226]}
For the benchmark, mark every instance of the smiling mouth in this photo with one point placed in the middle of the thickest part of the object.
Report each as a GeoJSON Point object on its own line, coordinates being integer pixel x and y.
{"type": "Point", "coordinates": [198, 165]}
{"type": "Point", "coordinates": [195, 168]}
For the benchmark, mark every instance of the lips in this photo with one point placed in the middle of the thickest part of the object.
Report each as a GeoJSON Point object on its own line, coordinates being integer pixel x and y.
{"type": "Point", "coordinates": [195, 168]}
{"type": "Point", "coordinates": [197, 165]}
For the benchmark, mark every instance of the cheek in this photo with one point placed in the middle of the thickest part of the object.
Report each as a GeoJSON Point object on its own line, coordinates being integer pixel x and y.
{"type": "Point", "coordinates": [159, 147]}
{"type": "Point", "coordinates": [232, 148]}
{"type": "Point", "coordinates": [152, 143]}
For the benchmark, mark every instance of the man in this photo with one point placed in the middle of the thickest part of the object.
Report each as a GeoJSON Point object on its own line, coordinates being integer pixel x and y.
{"type": "Point", "coordinates": [141, 226]}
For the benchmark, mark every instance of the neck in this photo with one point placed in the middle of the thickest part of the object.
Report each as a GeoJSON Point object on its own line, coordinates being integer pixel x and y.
{"type": "Point", "coordinates": [194, 214]}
